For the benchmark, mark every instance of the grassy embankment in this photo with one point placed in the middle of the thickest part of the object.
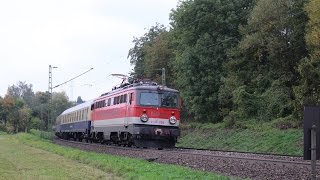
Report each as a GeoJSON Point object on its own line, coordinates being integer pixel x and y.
{"type": "Point", "coordinates": [272, 137]}
{"type": "Point", "coordinates": [27, 153]}
{"type": "Point", "coordinates": [18, 161]}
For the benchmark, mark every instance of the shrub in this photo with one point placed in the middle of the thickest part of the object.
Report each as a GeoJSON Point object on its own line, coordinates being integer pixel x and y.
{"type": "Point", "coordinates": [42, 134]}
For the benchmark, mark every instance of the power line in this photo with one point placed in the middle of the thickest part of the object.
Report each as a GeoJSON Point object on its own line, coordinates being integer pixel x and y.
{"type": "Point", "coordinates": [73, 78]}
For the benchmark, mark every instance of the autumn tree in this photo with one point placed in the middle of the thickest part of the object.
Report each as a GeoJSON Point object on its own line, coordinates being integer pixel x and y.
{"type": "Point", "coordinates": [12, 105]}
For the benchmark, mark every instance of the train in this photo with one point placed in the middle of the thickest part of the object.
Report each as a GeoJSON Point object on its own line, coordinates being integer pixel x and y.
{"type": "Point", "coordinates": [140, 114]}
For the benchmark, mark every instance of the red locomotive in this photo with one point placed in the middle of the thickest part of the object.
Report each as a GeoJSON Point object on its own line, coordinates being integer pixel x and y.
{"type": "Point", "coordinates": [142, 114]}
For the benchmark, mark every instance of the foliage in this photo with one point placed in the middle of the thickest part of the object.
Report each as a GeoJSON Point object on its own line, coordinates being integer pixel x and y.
{"type": "Point", "coordinates": [60, 102]}
{"type": "Point", "coordinates": [263, 66]}
{"type": "Point", "coordinates": [204, 32]}
{"type": "Point", "coordinates": [23, 91]}
{"type": "Point", "coordinates": [121, 166]}
{"type": "Point", "coordinates": [250, 137]}
{"type": "Point", "coordinates": [138, 53]}
{"type": "Point", "coordinates": [79, 100]}
{"type": "Point", "coordinates": [42, 134]}
{"type": "Point", "coordinates": [22, 109]}
{"type": "Point", "coordinates": [308, 90]}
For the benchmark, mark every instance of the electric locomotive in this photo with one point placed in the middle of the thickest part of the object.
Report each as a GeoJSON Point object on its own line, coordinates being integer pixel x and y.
{"type": "Point", "coordinates": [142, 114]}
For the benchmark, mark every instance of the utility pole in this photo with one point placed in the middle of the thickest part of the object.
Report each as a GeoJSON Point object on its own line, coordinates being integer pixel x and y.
{"type": "Point", "coordinates": [163, 76]}
{"type": "Point", "coordinates": [50, 93]}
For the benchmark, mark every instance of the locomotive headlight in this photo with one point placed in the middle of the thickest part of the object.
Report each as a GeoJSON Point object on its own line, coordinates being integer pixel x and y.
{"type": "Point", "coordinates": [144, 118]}
{"type": "Point", "coordinates": [172, 120]}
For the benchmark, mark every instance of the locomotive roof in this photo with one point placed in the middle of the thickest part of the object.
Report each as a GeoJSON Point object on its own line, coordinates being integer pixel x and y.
{"type": "Point", "coordinates": [78, 107]}
{"type": "Point", "coordinates": [140, 87]}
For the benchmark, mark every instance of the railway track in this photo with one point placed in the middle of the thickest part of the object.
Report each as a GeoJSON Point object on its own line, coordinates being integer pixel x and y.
{"type": "Point", "coordinates": [230, 163]}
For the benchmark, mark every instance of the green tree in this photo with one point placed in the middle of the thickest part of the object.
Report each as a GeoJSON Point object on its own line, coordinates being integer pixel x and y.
{"type": "Point", "coordinates": [264, 64]}
{"type": "Point", "coordinates": [160, 54]}
{"type": "Point", "coordinates": [22, 90]}
{"type": "Point", "coordinates": [41, 107]}
{"type": "Point", "coordinates": [138, 53]}
{"type": "Point", "coordinates": [24, 118]}
{"type": "Point", "coordinates": [12, 105]}
{"type": "Point", "coordinates": [79, 100]}
{"type": "Point", "coordinates": [60, 102]}
{"type": "Point", "coordinates": [205, 30]}
{"type": "Point", "coordinates": [308, 90]}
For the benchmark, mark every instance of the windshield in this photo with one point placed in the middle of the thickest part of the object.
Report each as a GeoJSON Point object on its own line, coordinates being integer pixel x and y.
{"type": "Point", "coordinates": [163, 99]}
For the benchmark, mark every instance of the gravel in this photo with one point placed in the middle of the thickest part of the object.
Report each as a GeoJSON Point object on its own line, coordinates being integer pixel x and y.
{"type": "Point", "coordinates": [254, 166]}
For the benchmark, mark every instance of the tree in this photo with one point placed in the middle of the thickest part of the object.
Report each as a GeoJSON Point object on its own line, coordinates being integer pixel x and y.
{"type": "Point", "coordinates": [308, 90]}
{"type": "Point", "coordinates": [22, 90]}
{"type": "Point", "coordinates": [24, 118]}
{"type": "Point", "coordinates": [41, 107]}
{"type": "Point", "coordinates": [79, 100]}
{"type": "Point", "coordinates": [265, 61]}
{"type": "Point", "coordinates": [12, 105]}
{"type": "Point", "coordinates": [137, 54]}
{"type": "Point", "coordinates": [204, 32]}
{"type": "Point", "coordinates": [60, 102]}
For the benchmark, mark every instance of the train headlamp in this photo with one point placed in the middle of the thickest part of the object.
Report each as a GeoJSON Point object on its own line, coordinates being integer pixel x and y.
{"type": "Point", "coordinates": [172, 120]}
{"type": "Point", "coordinates": [144, 118]}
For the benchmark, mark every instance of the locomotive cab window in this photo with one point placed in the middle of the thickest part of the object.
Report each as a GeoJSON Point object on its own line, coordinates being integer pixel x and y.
{"type": "Point", "coordinates": [162, 99]}
{"type": "Point", "coordinates": [169, 100]}
{"type": "Point", "coordinates": [149, 99]}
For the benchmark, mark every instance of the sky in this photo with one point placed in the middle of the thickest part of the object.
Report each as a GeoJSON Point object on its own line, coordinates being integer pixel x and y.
{"type": "Point", "coordinates": [73, 35]}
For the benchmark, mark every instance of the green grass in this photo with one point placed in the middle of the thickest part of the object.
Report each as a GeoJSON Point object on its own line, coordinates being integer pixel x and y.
{"type": "Point", "coordinates": [18, 161]}
{"type": "Point", "coordinates": [124, 167]}
{"type": "Point", "coordinates": [42, 134]}
{"type": "Point", "coordinates": [263, 137]}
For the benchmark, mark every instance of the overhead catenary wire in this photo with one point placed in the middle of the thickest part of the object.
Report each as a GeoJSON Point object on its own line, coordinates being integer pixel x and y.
{"type": "Point", "coordinates": [72, 78]}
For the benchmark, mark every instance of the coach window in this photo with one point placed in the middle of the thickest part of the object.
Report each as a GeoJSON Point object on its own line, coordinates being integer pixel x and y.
{"type": "Point", "coordinates": [119, 99]}
{"type": "Point", "coordinates": [109, 101]}
{"type": "Point", "coordinates": [125, 98]}
{"type": "Point", "coordinates": [81, 117]}
{"type": "Point", "coordinates": [130, 98]}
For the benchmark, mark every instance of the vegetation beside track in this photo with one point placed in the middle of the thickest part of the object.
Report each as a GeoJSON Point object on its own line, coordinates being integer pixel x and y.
{"type": "Point", "coordinates": [124, 167]}
{"type": "Point", "coordinates": [19, 161]}
{"type": "Point", "coordinates": [248, 136]}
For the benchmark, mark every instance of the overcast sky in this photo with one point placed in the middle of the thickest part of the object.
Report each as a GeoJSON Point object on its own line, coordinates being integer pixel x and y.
{"type": "Point", "coordinates": [73, 35]}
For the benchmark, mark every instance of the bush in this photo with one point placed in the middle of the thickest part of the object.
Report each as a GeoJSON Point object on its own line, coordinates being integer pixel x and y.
{"type": "Point", "coordinates": [42, 134]}
{"type": "Point", "coordinates": [286, 123]}
{"type": "Point", "coordinates": [3, 128]}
